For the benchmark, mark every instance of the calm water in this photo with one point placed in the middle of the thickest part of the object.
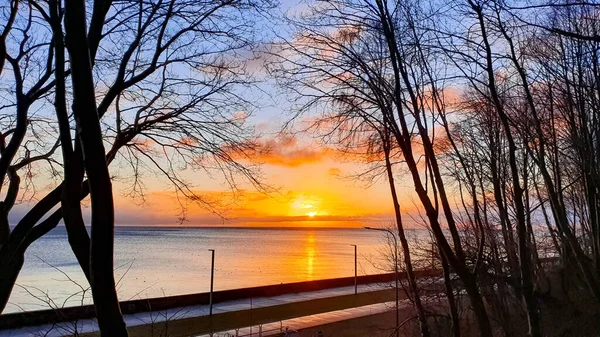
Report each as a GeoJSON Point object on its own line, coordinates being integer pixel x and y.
{"type": "Point", "coordinates": [154, 262]}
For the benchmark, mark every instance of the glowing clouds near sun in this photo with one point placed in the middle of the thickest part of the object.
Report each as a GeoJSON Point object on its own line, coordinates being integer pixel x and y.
{"type": "Point", "coordinates": [309, 206]}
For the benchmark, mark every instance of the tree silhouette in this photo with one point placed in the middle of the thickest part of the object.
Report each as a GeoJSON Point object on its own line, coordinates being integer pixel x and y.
{"type": "Point", "coordinates": [156, 86]}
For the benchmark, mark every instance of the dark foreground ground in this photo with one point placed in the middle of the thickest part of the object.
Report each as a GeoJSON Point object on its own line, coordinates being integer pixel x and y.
{"type": "Point", "coordinates": [379, 325]}
{"type": "Point", "coordinates": [558, 320]}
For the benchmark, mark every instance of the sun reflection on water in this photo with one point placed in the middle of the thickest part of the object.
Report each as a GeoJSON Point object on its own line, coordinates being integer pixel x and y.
{"type": "Point", "coordinates": [310, 249]}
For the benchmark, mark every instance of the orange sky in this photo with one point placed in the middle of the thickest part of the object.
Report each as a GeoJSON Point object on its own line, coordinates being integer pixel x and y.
{"type": "Point", "coordinates": [311, 187]}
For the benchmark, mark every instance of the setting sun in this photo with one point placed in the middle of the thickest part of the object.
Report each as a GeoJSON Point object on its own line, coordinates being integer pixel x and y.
{"type": "Point", "coordinates": [311, 214]}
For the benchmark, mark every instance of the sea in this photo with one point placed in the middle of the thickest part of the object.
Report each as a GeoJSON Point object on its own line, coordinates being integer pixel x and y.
{"type": "Point", "coordinates": [165, 261]}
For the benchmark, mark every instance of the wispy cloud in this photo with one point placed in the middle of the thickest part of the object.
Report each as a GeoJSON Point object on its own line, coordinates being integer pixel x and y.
{"type": "Point", "coordinates": [283, 150]}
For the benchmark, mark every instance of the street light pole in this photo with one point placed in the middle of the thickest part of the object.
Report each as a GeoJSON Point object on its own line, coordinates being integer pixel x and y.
{"type": "Point", "coordinates": [395, 270]}
{"type": "Point", "coordinates": [212, 280]}
{"type": "Point", "coordinates": [355, 273]}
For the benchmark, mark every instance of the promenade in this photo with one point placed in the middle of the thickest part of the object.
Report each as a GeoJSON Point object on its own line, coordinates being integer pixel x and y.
{"type": "Point", "coordinates": [296, 310]}
{"type": "Point", "coordinates": [235, 311]}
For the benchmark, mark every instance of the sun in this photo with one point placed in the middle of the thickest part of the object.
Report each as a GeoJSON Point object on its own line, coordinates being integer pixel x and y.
{"type": "Point", "coordinates": [306, 206]}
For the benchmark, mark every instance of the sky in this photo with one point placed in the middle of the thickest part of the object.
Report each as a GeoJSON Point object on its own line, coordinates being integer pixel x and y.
{"type": "Point", "coordinates": [308, 183]}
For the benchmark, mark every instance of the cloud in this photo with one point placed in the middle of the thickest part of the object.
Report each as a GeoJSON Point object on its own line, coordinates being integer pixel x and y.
{"type": "Point", "coordinates": [283, 150]}
{"type": "Point", "coordinates": [286, 151]}
{"type": "Point", "coordinates": [291, 158]}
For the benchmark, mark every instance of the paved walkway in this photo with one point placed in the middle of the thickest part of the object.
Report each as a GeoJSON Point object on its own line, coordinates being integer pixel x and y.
{"type": "Point", "coordinates": [194, 312]}
{"type": "Point", "coordinates": [271, 329]}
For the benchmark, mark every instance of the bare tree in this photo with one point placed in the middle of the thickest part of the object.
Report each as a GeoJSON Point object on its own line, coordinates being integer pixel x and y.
{"type": "Point", "coordinates": [374, 67]}
{"type": "Point", "coordinates": [530, 157]}
{"type": "Point", "coordinates": [158, 84]}
{"type": "Point", "coordinates": [517, 147]}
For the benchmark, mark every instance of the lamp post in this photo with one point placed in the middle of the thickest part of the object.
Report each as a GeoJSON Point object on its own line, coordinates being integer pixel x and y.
{"type": "Point", "coordinates": [395, 270]}
{"type": "Point", "coordinates": [212, 280]}
{"type": "Point", "coordinates": [355, 272]}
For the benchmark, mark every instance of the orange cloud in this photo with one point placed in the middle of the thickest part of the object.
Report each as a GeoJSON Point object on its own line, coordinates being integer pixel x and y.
{"type": "Point", "coordinates": [291, 158]}
{"type": "Point", "coordinates": [283, 150]}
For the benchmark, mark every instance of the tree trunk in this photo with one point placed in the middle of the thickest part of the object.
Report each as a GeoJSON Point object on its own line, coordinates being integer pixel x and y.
{"type": "Point", "coordinates": [110, 319]}
{"type": "Point", "coordinates": [405, 142]}
{"type": "Point", "coordinates": [412, 282]}
{"type": "Point", "coordinates": [450, 297]}
{"type": "Point", "coordinates": [79, 239]}
{"type": "Point", "coordinates": [522, 233]}
{"type": "Point", "coordinates": [10, 271]}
